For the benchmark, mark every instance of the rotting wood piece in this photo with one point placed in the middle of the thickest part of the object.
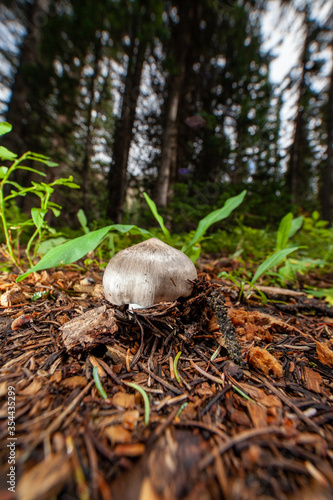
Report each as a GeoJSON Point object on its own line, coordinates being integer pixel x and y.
{"type": "Point", "coordinates": [90, 329]}
{"type": "Point", "coordinates": [229, 338]}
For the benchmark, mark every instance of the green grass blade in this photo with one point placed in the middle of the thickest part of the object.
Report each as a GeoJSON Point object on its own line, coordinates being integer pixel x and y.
{"type": "Point", "coordinates": [145, 399]}
{"type": "Point", "coordinates": [271, 261]}
{"type": "Point", "coordinates": [157, 216]}
{"type": "Point", "coordinates": [75, 249]}
{"type": "Point", "coordinates": [98, 383]}
{"type": "Point", "coordinates": [175, 366]}
{"type": "Point", "coordinates": [283, 232]}
{"type": "Point", "coordinates": [213, 217]}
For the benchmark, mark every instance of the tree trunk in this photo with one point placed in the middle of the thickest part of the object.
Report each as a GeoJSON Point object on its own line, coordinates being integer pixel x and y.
{"type": "Point", "coordinates": [87, 152]}
{"type": "Point", "coordinates": [124, 132]}
{"type": "Point", "coordinates": [18, 108]}
{"type": "Point", "coordinates": [169, 144]}
{"type": "Point", "coordinates": [183, 38]}
{"type": "Point", "coordinates": [327, 174]}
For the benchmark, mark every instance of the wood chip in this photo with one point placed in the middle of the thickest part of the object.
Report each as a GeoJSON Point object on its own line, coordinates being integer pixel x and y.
{"type": "Point", "coordinates": [264, 361]}
{"type": "Point", "coordinates": [325, 354]}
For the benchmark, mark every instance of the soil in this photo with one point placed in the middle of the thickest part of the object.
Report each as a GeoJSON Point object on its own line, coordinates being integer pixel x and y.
{"type": "Point", "coordinates": [238, 396]}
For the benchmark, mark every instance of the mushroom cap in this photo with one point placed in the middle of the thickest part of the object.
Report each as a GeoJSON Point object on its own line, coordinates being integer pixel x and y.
{"type": "Point", "coordinates": [148, 273]}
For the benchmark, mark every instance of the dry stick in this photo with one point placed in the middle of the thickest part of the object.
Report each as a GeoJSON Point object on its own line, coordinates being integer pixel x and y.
{"type": "Point", "coordinates": [243, 436]}
{"type": "Point", "coordinates": [110, 372]}
{"type": "Point", "coordinates": [161, 427]}
{"type": "Point", "coordinates": [160, 380]}
{"type": "Point", "coordinates": [93, 463]}
{"type": "Point", "coordinates": [57, 422]}
{"type": "Point", "coordinates": [139, 352]}
{"type": "Point", "coordinates": [150, 360]}
{"type": "Point", "coordinates": [208, 375]}
{"type": "Point", "coordinates": [291, 405]}
{"type": "Point", "coordinates": [202, 425]}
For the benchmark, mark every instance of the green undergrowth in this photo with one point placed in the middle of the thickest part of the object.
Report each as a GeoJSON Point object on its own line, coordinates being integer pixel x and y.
{"type": "Point", "coordinates": [271, 255]}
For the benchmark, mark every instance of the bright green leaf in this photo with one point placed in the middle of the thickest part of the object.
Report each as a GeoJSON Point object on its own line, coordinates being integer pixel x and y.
{"type": "Point", "coordinates": [5, 127]}
{"type": "Point", "coordinates": [46, 245]}
{"type": "Point", "coordinates": [213, 217]}
{"type": "Point", "coordinates": [75, 249]}
{"type": "Point", "coordinates": [283, 232]}
{"type": "Point", "coordinates": [5, 154]}
{"type": "Point", "coordinates": [37, 215]}
{"type": "Point", "coordinates": [3, 171]}
{"type": "Point", "coordinates": [296, 224]}
{"type": "Point", "coordinates": [83, 220]}
{"type": "Point", "coordinates": [56, 211]}
{"type": "Point", "coordinates": [33, 170]}
{"type": "Point", "coordinates": [157, 216]}
{"type": "Point", "coordinates": [271, 261]}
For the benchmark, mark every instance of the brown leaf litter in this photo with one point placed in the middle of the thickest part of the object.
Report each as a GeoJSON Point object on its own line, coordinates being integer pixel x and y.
{"type": "Point", "coordinates": [246, 411]}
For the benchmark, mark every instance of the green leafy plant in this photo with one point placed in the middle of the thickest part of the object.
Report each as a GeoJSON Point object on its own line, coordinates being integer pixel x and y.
{"type": "Point", "coordinates": [270, 263]}
{"type": "Point", "coordinates": [75, 249]}
{"type": "Point", "coordinates": [40, 189]}
{"type": "Point", "coordinates": [192, 249]}
{"type": "Point", "coordinates": [324, 293]}
{"type": "Point", "coordinates": [287, 228]}
{"type": "Point", "coordinates": [83, 221]}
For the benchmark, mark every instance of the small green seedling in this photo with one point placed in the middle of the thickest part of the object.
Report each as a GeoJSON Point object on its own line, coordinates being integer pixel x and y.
{"type": "Point", "coordinates": [40, 189]}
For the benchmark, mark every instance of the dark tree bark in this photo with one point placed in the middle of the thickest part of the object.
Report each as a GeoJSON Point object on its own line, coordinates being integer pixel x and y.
{"type": "Point", "coordinates": [327, 174]}
{"type": "Point", "coordinates": [183, 39]}
{"type": "Point", "coordinates": [124, 132]}
{"type": "Point", "coordinates": [18, 109]}
{"type": "Point", "coordinates": [294, 174]}
{"type": "Point", "coordinates": [88, 151]}
{"type": "Point", "coordinates": [170, 139]}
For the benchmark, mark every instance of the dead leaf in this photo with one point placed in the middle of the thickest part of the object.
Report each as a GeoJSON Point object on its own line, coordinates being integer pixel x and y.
{"type": "Point", "coordinates": [56, 377]}
{"type": "Point", "coordinates": [258, 414]}
{"type": "Point", "coordinates": [100, 370]}
{"type": "Point", "coordinates": [117, 434]}
{"type": "Point", "coordinates": [130, 419]}
{"type": "Point", "coordinates": [21, 321]}
{"type": "Point", "coordinates": [46, 479]}
{"type": "Point", "coordinates": [12, 296]}
{"type": "Point", "coordinates": [124, 400]}
{"type": "Point", "coordinates": [264, 361]}
{"type": "Point", "coordinates": [325, 354]}
{"type": "Point", "coordinates": [31, 389]}
{"type": "Point", "coordinates": [76, 381]}
{"type": "Point", "coordinates": [268, 400]}
{"type": "Point", "coordinates": [313, 380]}
{"type": "Point", "coordinates": [147, 491]}
{"type": "Point", "coordinates": [3, 389]}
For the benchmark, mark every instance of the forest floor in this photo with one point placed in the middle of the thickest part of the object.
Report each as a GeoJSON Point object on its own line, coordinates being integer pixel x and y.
{"type": "Point", "coordinates": [244, 412]}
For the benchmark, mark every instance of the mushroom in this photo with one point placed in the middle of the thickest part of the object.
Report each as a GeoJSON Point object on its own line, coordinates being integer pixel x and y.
{"type": "Point", "coordinates": [148, 273]}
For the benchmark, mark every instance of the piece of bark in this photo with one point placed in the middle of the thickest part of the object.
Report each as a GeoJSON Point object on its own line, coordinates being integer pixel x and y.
{"type": "Point", "coordinates": [94, 327]}
{"type": "Point", "coordinates": [264, 361]}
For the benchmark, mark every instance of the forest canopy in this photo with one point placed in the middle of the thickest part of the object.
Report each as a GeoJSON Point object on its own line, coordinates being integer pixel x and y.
{"type": "Point", "coordinates": [172, 98]}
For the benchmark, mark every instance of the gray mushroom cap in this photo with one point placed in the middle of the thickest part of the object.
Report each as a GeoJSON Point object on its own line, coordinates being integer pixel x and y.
{"type": "Point", "coordinates": [148, 273]}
